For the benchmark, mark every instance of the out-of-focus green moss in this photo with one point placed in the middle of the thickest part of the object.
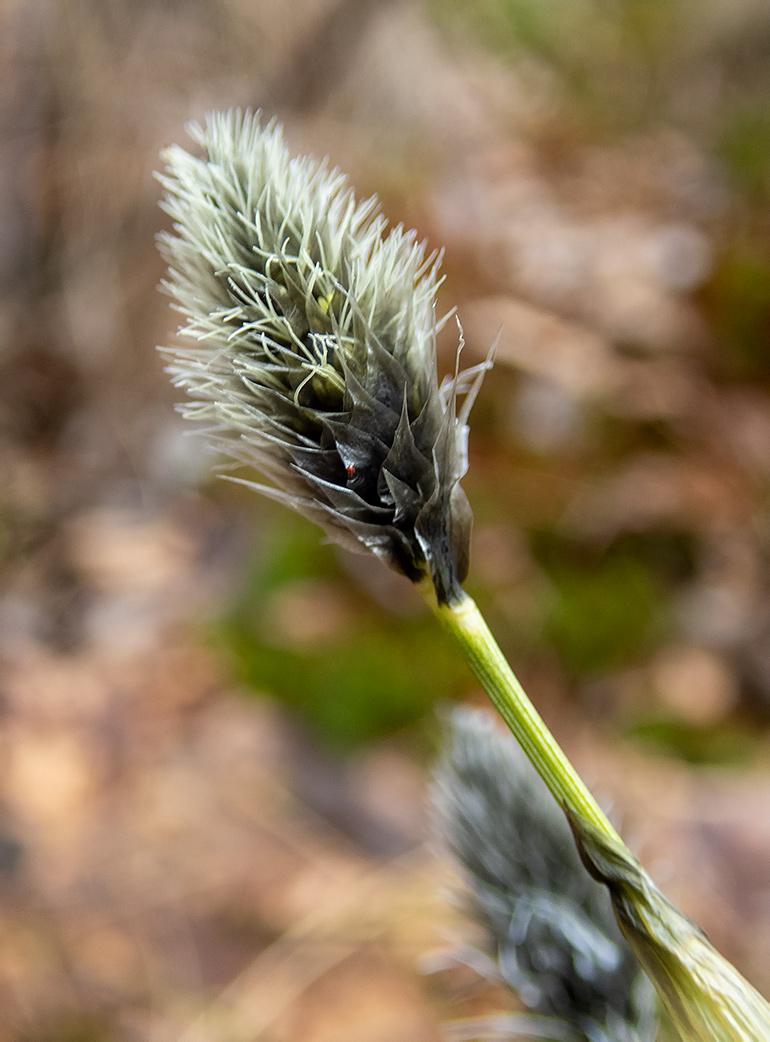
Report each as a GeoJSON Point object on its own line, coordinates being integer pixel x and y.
{"type": "Point", "coordinates": [609, 58]}
{"type": "Point", "coordinates": [744, 146]}
{"type": "Point", "coordinates": [75, 1028]}
{"type": "Point", "coordinates": [724, 745]}
{"type": "Point", "coordinates": [604, 607]}
{"type": "Point", "coordinates": [377, 674]}
{"type": "Point", "coordinates": [738, 299]}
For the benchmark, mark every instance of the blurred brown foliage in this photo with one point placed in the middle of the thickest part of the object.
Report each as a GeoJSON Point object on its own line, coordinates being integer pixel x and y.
{"type": "Point", "coordinates": [181, 861]}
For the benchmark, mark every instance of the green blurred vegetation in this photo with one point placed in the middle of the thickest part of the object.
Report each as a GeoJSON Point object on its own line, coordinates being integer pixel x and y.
{"type": "Point", "coordinates": [617, 65]}
{"type": "Point", "coordinates": [609, 59]}
{"type": "Point", "coordinates": [374, 672]}
{"type": "Point", "coordinates": [738, 301]}
{"type": "Point", "coordinates": [718, 745]}
{"type": "Point", "coordinates": [605, 606]}
{"type": "Point", "coordinates": [743, 143]}
{"type": "Point", "coordinates": [73, 1028]}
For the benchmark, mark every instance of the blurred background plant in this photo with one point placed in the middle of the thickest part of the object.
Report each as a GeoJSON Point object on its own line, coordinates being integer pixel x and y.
{"type": "Point", "coordinates": [548, 932]}
{"type": "Point", "coordinates": [210, 798]}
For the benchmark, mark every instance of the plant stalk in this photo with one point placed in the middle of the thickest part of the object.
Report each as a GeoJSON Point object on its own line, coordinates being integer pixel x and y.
{"type": "Point", "coordinates": [463, 620]}
{"type": "Point", "coordinates": [705, 996]}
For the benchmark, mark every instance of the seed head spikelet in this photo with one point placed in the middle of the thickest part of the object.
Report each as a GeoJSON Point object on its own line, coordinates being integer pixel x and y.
{"type": "Point", "coordinates": [314, 356]}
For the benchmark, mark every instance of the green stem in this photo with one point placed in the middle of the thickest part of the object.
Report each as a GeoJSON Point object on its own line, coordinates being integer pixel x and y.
{"type": "Point", "coordinates": [705, 996]}
{"type": "Point", "coordinates": [463, 620]}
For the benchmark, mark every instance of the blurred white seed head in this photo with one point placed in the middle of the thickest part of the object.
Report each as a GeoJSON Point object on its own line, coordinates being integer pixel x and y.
{"type": "Point", "coordinates": [311, 347]}
{"type": "Point", "coordinates": [550, 929]}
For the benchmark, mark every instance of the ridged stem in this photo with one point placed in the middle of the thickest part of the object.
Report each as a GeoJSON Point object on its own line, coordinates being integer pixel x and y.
{"type": "Point", "coordinates": [463, 620]}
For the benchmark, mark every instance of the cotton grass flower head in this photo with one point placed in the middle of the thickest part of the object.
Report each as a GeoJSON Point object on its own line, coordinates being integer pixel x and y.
{"type": "Point", "coordinates": [550, 929]}
{"type": "Point", "coordinates": [314, 347]}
